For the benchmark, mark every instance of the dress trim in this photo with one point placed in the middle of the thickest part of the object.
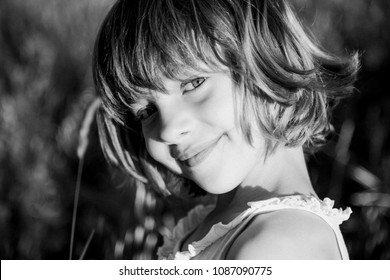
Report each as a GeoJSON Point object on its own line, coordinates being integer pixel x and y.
{"type": "Point", "coordinates": [172, 240]}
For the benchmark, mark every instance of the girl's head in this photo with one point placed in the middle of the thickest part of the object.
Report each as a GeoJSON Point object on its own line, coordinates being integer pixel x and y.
{"type": "Point", "coordinates": [198, 67]}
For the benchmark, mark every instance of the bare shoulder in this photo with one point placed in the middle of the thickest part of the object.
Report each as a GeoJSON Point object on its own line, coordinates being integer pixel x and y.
{"type": "Point", "coordinates": [286, 234]}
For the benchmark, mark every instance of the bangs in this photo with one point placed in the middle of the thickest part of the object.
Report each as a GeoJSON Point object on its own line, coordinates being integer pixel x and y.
{"type": "Point", "coordinates": [162, 39]}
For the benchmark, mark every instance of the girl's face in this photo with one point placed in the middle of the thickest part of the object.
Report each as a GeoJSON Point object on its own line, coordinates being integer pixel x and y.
{"type": "Point", "coordinates": [191, 129]}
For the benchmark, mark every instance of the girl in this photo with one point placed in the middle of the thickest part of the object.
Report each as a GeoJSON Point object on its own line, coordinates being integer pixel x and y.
{"type": "Point", "coordinates": [223, 96]}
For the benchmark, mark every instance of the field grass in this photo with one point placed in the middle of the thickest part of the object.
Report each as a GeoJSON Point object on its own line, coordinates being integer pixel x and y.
{"type": "Point", "coordinates": [46, 88]}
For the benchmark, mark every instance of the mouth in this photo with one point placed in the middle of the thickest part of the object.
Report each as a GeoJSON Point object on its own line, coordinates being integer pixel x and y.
{"type": "Point", "coordinates": [199, 155]}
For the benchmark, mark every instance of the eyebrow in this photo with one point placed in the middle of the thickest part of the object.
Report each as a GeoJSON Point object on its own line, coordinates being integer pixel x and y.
{"type": "Point", "coordinates": [190, 79]}
{"type": "Point", "coordinates": [190, 73]}
{"type": "Point", "coordinates": [183, 80]}
{"type": "Point", "coordinates": [187, 75]}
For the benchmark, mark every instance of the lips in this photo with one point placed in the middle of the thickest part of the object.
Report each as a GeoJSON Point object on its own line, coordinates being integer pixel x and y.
{"type": "Point", "coordinates": [194, 156]}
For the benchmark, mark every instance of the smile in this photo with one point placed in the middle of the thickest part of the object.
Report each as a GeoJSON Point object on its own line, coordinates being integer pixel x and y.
{"type": "Point", "coordinates": [200, 156]}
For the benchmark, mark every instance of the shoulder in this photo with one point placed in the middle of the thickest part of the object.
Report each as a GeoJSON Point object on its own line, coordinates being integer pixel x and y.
{"type": "Point", "coordinates": [286, 234]}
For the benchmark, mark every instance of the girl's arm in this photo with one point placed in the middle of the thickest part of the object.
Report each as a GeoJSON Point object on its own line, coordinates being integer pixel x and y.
{"type": "Point", "coordinates": [286, 234]}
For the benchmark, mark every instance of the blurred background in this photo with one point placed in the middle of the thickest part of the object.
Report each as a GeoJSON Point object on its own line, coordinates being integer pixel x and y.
{"type": "Point", "coordinates": [46, 88]}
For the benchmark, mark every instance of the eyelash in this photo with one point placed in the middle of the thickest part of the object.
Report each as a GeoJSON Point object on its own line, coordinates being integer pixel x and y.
{"type": "Point", "coordinates": [195, 83]}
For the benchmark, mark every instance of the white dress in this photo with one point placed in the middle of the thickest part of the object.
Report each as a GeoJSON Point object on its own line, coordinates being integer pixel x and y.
{"type": "Point", "coordinates": [220, 237]}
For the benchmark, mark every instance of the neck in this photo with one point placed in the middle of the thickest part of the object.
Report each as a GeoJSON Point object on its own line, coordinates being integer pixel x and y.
{"type": "Point", "coordinates": [282, 173]}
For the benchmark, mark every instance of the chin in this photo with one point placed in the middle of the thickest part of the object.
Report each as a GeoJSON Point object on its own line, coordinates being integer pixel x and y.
{"type": "Point", "coordinates": [216, 186]}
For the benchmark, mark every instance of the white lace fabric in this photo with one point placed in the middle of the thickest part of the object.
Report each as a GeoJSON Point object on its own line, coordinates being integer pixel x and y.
{"type": "Point", "coordinates": [323, 208]}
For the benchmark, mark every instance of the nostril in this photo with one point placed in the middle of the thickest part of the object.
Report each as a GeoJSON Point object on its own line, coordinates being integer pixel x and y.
{"type": "Point", "coordinates": [174, 151]}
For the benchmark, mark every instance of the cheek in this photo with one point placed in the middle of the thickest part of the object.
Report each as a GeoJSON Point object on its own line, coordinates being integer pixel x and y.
{"type": "Point", "coordinates": [152, 147]}
{"type": "Point", "coordinates": [156, 149]}
{"type": "Point", "coordinates": [160, 153]}
{"type": "Point", "coordinates": [218, 111]}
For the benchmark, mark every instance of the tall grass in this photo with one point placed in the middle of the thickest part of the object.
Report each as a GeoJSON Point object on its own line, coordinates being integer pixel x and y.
{"type": "Point", "coordinates": [46, 88]}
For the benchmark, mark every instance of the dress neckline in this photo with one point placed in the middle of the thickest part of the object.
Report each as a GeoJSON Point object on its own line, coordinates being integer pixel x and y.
{"type": "Point", "coordinates": [185, 226]}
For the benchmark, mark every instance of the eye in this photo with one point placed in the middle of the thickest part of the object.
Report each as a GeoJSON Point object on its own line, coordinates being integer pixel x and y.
{"type": "Point", "coordinates": [146, 112]}
{"type": "Point", "coordinates": [193, 84]}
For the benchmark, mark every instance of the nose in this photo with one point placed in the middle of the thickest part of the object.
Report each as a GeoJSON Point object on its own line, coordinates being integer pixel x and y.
{"type": "Point", "coordinates": [176, 124]}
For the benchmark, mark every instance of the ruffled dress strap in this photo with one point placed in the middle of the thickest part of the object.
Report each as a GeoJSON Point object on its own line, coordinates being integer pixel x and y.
{"type": "Point", "coordinates": [172, 239]}
{"type": "Point", "coordinates": [323, 208]}
{"type": "Point", "coordinates": [221, 236]}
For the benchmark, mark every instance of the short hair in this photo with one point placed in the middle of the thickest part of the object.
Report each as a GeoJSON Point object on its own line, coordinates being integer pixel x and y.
{"type": "Point", "coordinates": [289, 82]}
